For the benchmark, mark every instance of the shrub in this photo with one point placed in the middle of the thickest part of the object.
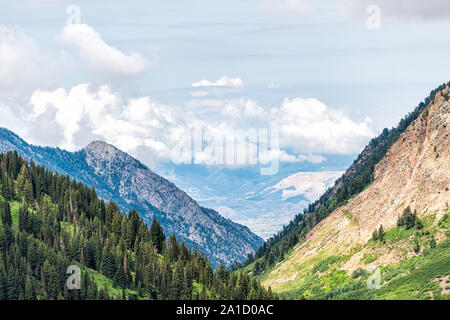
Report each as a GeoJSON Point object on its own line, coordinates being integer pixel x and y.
{"type": "Point", "coordinates": [360, 272]}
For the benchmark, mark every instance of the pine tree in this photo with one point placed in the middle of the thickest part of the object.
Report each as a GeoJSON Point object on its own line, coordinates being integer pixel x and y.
{"type": "Point", "coordinates": [28, 191]}
{"type": "Point", "coordinates": [29, 289]}
{"type": "Point", "coordinates": [6, 214]}
{"type": "Point", "coordinates": [157, 235]}
{"type": "Point", "coordinates": [23, 218]}
{"type": "Point", "coordinates": [381, 234]}
{"type": "Point", "coordinates": [3, 284]}
{"type": "Point", "coordinates": [177, 282]}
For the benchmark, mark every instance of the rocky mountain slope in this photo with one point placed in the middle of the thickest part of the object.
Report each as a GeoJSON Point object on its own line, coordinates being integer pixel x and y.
{"type": "Point", "coordinates": [340, 251]}
{"type": "Point", "coordinates": [118, 176]}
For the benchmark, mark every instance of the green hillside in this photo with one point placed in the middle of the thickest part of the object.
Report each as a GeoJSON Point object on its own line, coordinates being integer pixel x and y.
{"type": "Point", "coordinates": [49, 222]}
{"type": "Point", "coordinates": [422, 276]}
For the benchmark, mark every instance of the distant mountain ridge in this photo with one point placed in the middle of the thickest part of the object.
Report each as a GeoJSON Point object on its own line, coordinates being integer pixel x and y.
{"type": "Point", "coordinates": [246, 197]}
{"type": "Point", "coordinates": [118, 176]}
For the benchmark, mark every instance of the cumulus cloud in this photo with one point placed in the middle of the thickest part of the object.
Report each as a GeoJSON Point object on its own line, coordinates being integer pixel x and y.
{"type": "Point", "coordinates": [222, 82]}
{"type": "Point", "coordinates": [100, 56]}
{"type": "Point", "coordinates": [86, 113]}
{"type": "Point", "coordinates": [143, 126]}
{"type": "Point", "coordinates": [308, 125]}
{"type": "Point", "coordinates": [22, 67]}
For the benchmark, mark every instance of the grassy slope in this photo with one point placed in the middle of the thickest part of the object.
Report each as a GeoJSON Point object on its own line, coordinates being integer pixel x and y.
{"type": "Point", "coordinates": [115, 292]}
{"type": "Point", "coordinates": [321, 276]}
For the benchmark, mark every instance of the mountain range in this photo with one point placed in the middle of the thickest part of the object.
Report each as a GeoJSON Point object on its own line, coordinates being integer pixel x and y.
{"type": "Point", "coordinates": [381, 231]}
{"type": "Point", "coordinates": [118, 176]}
{"type": "Point", "coordinates": [263, 203]}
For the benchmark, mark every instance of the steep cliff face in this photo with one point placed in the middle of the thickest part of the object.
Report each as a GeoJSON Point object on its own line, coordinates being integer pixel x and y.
{"type": "Point", "coordinates": [415, 172]}
{"type": "Point", "coordinates": [119, 177]}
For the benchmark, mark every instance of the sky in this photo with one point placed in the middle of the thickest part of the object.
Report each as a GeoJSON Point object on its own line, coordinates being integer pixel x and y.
{"type": "Point", "coordinates": [313, 80]}
{"type": "Point", "coordinates": [141, 74]}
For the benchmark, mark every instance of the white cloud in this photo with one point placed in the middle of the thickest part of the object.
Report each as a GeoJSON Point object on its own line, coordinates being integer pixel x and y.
{"type": "Point", "coordinates": [198, 103]}
{"type": "Point", "coordinates": [222, 82]}
{"type": "Point", "coordinates": [269, 155]}
{"type": "Point", "coordinates": [88, 113]}
{"type": "Point", "coordinates": [152, 130]}
{"type": "Point", "coordinates": [22, 67]}
{"type": "Point", "coordinates": [308, 125]}
{"type": "Point", "coordinates": [100, 56]}
{"type": "Point", "coordinates": [10, 120]}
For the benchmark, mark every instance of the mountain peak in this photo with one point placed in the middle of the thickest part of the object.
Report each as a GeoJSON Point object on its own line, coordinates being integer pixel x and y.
{"type": "Point", "coordinates": [104, 151]}
{"type": "Point", "coordinates": [99, 145]}
{"type": "Point", "coordinates": [118, 176]}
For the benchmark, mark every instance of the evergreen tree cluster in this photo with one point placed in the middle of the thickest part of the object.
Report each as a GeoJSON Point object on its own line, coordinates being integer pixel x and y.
{"type": "Point", "coordinates": [409, 219]}
{"type": "Point", "coordinates": [353, 182]}
{"type": "Point", "coordinates": [49, 222]}
{"type": "Point", "coordinates": [378, 234]}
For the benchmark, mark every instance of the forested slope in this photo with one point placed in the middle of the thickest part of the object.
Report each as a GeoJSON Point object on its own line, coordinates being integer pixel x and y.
{"type": "Point", "coordinates": [49, 222]}
{"type": "Point", "coordinates": [118, 176]}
